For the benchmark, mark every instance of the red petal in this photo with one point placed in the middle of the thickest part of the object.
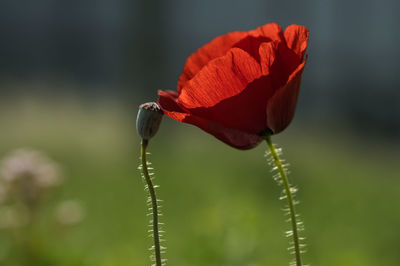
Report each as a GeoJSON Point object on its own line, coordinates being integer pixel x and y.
{"type": "Point", "coordinates": [268, 33]}
{"type": "Point", "coordinates": [220, 79]}
{"type": "Point", "coordinates": [216, 48]}
{"type": "Point", "coordinates": [233, 137]}
{"type": "Point", "coordinates": [277, 62]}
{"type": "Point", "coordinates": [281, 107]}
{"type": "Point", "coordinates": [271, 31]}
{"type": "Point", "coordinates": [251, 45]}
{"type": "Point", "coordinates": [246, 110]}
{"type": "Point", "coordinates": [296, 39]}
{"type": "Point", "coordinates": [267, 52]}
{"type": "Point", "coordinates": [222, 44]}
{"type": "Point", "coordinates": [168, 101]}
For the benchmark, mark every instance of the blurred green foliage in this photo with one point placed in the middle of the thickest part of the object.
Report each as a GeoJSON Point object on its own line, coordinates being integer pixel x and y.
{"type": "Point", "coordinates": [221, 205]}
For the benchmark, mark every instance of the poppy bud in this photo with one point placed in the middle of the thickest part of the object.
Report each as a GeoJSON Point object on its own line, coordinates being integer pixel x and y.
{"type": "Point", "coordinates": [148, 120]}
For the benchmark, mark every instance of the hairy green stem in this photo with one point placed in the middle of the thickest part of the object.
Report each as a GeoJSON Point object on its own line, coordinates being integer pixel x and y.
{"type": "Point", "coordinates": [156, 236]}
{"type": "Point", "coordinates": [289, 198]}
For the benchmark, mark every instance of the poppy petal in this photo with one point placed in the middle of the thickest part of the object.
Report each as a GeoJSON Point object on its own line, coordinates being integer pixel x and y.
{"type": "Point", "coordinates": [277, 62]}
{"type": "Point", "coordinates": [296, 39]}
{"type": "Point", "coordinates": [246, 110]}
{"type": "Point", "coordinates": [168, 101]}
{"type": "Point", "coordinates": [220, 79]}
{"type": "Point", "coordinates": [233, 137]}
{"type": "Point", "coordinates": [281, 107]}
{"type": "Point", "coordinates": [268, 33]}
{"type": "Point", "coordinates": [251, 45]}
{"type": "Point", "coordinates": [216, 48]}
{"type": "Point", "coordinates": [271, 31]}
{"type": "Point", "coordinates": [267, 53]}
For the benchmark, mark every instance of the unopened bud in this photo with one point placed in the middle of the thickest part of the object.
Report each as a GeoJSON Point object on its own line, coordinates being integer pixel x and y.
{"type": "Point", "coordinates": [148, 120]}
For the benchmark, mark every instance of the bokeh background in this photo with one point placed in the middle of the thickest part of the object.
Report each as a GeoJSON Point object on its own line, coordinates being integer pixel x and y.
{"type": "Point", "coordinates": [72, 74]}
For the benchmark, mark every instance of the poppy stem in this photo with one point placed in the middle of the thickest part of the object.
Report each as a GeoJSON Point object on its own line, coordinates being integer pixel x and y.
{"type": "Point", "coordinates": [288, 190]}
{"type": "Point", "coordinates": [154, 206]}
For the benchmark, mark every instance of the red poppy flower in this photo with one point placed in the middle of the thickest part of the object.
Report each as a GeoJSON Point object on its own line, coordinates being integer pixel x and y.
{"type": "Point", "coordinates": [241, 85]}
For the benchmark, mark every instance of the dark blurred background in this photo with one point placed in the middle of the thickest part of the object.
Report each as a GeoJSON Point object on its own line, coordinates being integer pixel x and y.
{"type": "Point", "coordinates": [72, 74]}
{"type": "Point", "coordinates": [132, 48]}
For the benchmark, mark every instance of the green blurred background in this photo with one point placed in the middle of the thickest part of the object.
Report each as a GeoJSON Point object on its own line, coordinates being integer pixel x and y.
{"type": "Point", "coordinates": [73, 73]}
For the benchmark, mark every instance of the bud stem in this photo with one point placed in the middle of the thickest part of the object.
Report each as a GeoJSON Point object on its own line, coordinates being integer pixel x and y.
{"type": "Point", "coordinates": [156, 237]}
{"type": "Point", "coordinates": [289, 198]}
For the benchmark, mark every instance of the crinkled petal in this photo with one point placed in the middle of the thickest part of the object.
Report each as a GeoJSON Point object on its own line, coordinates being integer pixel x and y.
{"type": "Point", "coordinates": [233, 137]}
{"type": "Point", "coordinates": [222, 44]}
{"type": "Point", "coordinates": [220, 79]}
{"type": "Point", "coordinates": [267, 53]}
{"type": "Point", "coordinates": [277, 62]}
{"type": "Point", "coordinates": [251, 45]}
{"type": "Point", "coordinates": [272, 31]}
{"type": "Point", "coordinates": [268, 33]}
{"type": "Point", "coordinates": [245, 111]}
{"type": "Point", "coordinates": [216, 48]}
{"type": "Point", "coordinates": [168, 101]}
{"type": "Point", "coordinates": [297, 39]}
{"type": "Point", "coordinates": [281, 107]}
{"type": "Point", "coordinates": [236, 138]}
